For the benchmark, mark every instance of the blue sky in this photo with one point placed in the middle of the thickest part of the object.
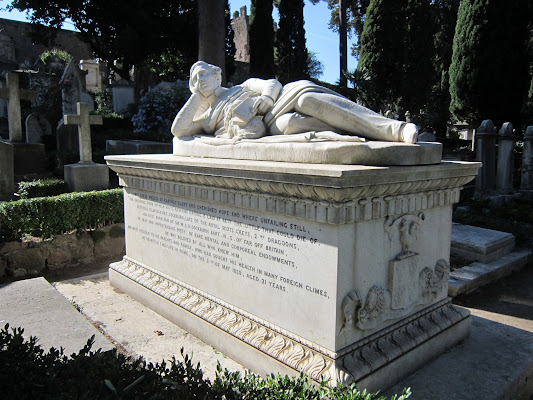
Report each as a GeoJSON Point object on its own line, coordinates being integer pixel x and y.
{"type": "Point", "coordinates": [320, 39]}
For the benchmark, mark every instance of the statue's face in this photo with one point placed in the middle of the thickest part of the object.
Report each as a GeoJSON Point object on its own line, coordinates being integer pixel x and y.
{"type": "Point", "coordinates": [206, 81]}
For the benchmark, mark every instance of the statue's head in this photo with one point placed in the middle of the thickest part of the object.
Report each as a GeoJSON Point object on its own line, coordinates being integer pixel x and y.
{"type": "Point", "coordinates": [201, 67]}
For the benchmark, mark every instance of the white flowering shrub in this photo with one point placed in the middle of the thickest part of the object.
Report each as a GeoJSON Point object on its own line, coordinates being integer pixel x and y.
{"type": "Point", "coordinates": [159, 106]}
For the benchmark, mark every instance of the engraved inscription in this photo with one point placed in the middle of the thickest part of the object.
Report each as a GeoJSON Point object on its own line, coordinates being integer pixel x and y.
{"type": "Point", "coordinates": [255, 248]}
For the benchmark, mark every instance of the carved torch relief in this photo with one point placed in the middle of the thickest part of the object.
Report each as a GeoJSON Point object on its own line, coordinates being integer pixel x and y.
{"type": "Point", "coordinates": [409, 283]}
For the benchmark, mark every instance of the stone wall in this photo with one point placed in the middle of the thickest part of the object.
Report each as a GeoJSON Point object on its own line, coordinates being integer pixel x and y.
{"type": "Point", "coordinates": [32, 257]}
{"type": "Point", "coordinates": [24, 52]}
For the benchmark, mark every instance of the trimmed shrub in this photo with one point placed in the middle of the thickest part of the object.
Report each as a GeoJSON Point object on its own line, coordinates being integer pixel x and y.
{"type": "Point", "coordinates": [47, 216]}
{"type": "Point", "coordinates": [28, 372]}
{"type": "Point", "coordinates": [42, 188]}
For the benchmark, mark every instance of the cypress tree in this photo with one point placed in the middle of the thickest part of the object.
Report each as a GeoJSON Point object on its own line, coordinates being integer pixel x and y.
{"type": "Point", "coordinates": [261, 39]}
{"type": "Point", "coordinates": [380, 63]}
{"type": "Point", "coordinates": [444, 17]}
{"type": "Point", "coordinates": [488, 73]}
{"type": "Point", "coordinates": [229, 43]}
{"type": "Point", "coordinates": [395, 70]}
{"type": "Point", "coordinates": [417, 45]}
{"type": "Point", "coordinates": [290, 39]}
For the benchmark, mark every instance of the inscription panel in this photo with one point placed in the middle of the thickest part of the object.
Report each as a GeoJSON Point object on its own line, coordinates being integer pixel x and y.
{"type": "Point", "coordinates": [279, 269]}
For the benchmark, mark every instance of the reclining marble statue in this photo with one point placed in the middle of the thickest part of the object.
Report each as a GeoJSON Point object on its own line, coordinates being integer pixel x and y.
{"type": "Point", "coordinates": [258, 108]}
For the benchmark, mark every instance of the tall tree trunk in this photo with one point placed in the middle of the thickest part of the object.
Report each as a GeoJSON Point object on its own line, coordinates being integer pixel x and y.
{"type": "Point", "coordinates": [343, 43]}
{"type": "Point", "coordinates": [212, 33]}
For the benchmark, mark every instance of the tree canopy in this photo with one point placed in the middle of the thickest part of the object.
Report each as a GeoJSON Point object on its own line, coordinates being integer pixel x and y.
{"type": "Point", "coordinates": [488, 75]}
{"type": "Point", "coordinates": [122, 33]}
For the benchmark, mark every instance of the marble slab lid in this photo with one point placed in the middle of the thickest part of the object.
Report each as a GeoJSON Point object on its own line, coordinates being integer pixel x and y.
{"type": "Point", "coordinates": [315, 152]}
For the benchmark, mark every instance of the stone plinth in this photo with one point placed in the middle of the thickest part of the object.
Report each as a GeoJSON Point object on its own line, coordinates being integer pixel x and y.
{"type": "Point", "coordinates": [84, 177]}
{"type": "Point", "coordinates": [30, 160]}
{"type": "Point", "coordinates": [137, 147]}
{"type": "Point", "coordinates": [337, 271]}
{"type": "Point", "coordinates": [7, 175]}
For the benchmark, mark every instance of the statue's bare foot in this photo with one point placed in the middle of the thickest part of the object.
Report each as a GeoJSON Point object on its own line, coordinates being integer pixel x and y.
{"type": "Point", "coordinates": [409, 133]}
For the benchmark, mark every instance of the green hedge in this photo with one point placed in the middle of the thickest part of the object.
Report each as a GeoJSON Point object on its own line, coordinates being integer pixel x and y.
{"type": "Point", "coordinates": [42, 188]}
{"type": "Point", "coordinates": [47, 216]}
{"type": "Point", "coordinates": [28, 372]}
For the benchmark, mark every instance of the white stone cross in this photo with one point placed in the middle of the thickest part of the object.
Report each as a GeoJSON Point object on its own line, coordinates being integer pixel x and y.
{"type": "Point", "coordinates": [84, 122]}
{"type": "Point", "coordinates": [14, 94]}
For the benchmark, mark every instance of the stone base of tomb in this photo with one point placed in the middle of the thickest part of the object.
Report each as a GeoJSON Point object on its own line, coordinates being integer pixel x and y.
{"type": "Point", "coordinates": [340, 272]}
{"type": "Point", "coordinates": [84, 177]}
{"type": "Point", "coordinates": [375, 363]}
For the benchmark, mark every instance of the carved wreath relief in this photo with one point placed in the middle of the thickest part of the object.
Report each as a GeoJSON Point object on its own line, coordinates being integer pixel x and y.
{"type": "Point", "coordinates": [408, 284]}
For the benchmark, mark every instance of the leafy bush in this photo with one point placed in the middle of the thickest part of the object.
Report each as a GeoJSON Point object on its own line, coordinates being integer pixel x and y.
{"type": "Point", "coordinates": [47, 216]}
{"type": "Point", "coordinates": [28, 372]}
{"type": "Point", "coordinates": [159, 106]}
{"type": "Point", "coordinates": [42, 188]}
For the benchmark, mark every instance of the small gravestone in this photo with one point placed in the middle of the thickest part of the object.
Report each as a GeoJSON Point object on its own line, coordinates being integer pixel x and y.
{"type": "Point", "coordinates": [526, 182]}
{"type": "Point", "coordinates": [85, 175]}
{"type": "Point", "coordinates": [29, 159]}
{"type": "Point", "coordinates": [37, 126]}
{"type": "Point", "coordinates": [93, 80]}
{"type": "Point", "coordinates": [485, 144]}
{"type": "Point", "coordinates": [7, 174]}
{"type": "Point", "coordinates": [123, 96]}
{"type": "Point", "coordinates": [14, 95]}
{"type": "Point", "coordinates": [504, 173]}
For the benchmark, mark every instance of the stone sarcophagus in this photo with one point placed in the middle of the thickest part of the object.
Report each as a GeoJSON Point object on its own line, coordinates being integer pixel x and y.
{"type": "Point", "coordinates": [339, 271]}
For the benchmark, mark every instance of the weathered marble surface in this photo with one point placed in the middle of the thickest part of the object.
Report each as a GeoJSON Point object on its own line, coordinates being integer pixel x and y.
{"type": "Point", "coordinates": [301, 148]}
{"type": "Point", "coordinates": [336, 271]}
{"type": "Point", "coordinates": [260, 107]}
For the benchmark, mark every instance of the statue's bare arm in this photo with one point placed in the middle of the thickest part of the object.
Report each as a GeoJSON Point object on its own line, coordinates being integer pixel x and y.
{"type": "Point", "coordinates": [185, 123]}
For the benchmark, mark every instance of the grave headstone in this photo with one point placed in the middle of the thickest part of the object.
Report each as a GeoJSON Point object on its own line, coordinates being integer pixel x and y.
{"type": "Point", "coordinates": [464, 130]}
{"type": "Point", "coordinates": [485, 145]}
{"type": "Point", "coordinates": [14, 95]}
{"type": "Point", "coordinates": [85, 175]}
{"type": "Point", "coordinates": [37, 126]}
{"type": "Point", "coordinates": [7, 173]}
{"type": "Point", "coordinates": [83, 121]}
{"type": "Point", "coordinates": [74, 88]}
{"type": "Point", "coordinates": [29, 159]}
{"type": "Point", "coordinates": [94, 80]}
{"type": "Point", "coordinates": [526, 182]}
{"type": "Point", "coordinates": [123, 96]}
{"type": "Point", "coordinates": [74, 91]}
{"type": "Point", "coordinates": [505, 166]}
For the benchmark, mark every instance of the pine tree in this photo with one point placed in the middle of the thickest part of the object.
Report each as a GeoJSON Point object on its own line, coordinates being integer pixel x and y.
{"type": "Point", "coordinates": [290, 40]}
{"type": "Point", "coordinates": [261, 39]}
{"type": "Point", "coordinates": [488, 73]}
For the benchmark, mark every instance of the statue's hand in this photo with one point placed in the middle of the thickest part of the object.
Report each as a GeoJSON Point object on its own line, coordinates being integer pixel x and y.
{"type": "Point", "coordinates": [263, 104]}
